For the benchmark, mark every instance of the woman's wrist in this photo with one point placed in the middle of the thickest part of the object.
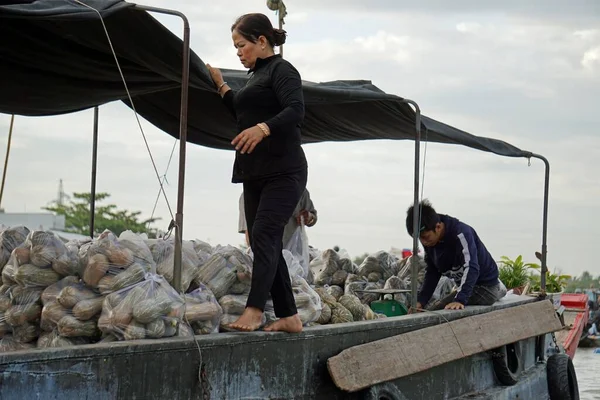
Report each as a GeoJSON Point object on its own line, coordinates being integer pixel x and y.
{"type": "Point", "coordinates": [223, 88]}
{"type": "Point", "coordinates": [265, 128]}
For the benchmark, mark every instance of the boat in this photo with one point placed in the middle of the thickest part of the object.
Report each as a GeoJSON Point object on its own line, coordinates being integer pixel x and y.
{"type": "Point", "coordinates": [575, 313]}
{"type": "Point", "coordinates": [491, 360]}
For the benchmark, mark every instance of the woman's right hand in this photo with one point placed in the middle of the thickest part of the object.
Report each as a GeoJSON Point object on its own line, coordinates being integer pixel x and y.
{"type": "Point", "coordinates": [216, 75]}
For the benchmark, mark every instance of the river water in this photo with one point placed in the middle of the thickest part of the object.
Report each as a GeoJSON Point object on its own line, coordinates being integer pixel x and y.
{"type": "Point", "coordinates": [587, 368]}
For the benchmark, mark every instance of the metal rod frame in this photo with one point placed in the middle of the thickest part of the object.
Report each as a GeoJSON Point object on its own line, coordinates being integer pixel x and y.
{"type": "Point", "coordinates": [94, 169]}
{"type": "Point", "coordinates": [183, 125]}
{"type": "Point", "coordinates": [10, 131]}
{"type": "Point", "coordinates": [544, 221]}
{"type": "Point", "coordinates": [414, 260]}
{"type": "Point", "coordinates": [182, 160]}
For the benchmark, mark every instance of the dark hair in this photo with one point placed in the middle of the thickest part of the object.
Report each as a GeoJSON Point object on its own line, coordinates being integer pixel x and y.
{"type": "Point", "coordinates": [253, 26]}
{"type": "Point", "coordinates": [429, 218]}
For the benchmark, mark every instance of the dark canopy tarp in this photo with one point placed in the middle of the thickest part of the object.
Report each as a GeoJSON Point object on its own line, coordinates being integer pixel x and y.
{"type": "Point", "coordinates": [55, 58]}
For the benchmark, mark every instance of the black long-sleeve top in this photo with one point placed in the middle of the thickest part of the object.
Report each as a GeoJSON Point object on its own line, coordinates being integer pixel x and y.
{"type": "Point", "coordinates": [272, 95]}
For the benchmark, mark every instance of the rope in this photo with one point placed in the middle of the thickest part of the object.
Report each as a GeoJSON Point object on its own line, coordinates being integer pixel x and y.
{"type": "Point", "coordinates": [164, 179]}
{"type": "Point", "coordinates": [132, 104]}
{"type": "Point", "coordinates": [449, 325]}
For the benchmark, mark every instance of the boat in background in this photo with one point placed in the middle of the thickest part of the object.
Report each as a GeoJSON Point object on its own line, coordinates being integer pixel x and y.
{"type": "Point", "coordinates": [574, 311]}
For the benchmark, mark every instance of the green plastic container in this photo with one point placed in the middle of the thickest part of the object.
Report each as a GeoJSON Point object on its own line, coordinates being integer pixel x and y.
{"type": "Point", "coordinates": [389, 308]}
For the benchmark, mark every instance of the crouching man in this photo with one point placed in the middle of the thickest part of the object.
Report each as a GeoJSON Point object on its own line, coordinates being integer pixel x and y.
{"type": "Point", "coordinates": [453, 249]}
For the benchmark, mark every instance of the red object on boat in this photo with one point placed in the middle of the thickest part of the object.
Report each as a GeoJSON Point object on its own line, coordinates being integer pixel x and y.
{"type": "Point", "coordinates": [574, 300]}
{"type": "Point", "coordinates": [406, 253]}
{"type": "Point", "coordinates": [576, 315]}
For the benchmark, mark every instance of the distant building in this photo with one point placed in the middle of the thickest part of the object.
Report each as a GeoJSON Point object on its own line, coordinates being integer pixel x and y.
{"type": "Point", "coordinates": [38, 221]}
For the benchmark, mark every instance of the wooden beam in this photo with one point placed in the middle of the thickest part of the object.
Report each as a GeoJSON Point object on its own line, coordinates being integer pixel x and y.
{"type": "Point", "coordinates": [362, 366]}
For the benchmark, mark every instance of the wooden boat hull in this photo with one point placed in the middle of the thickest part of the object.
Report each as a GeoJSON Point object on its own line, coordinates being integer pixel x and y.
{"type": "Point", "coordinates": [257, 365]}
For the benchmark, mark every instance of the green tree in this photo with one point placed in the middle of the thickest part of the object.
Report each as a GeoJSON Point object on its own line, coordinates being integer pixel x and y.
{"type": "Point", "coordinates": [77, 216]}
{"type": "Point", "coordinates": [584, 281]}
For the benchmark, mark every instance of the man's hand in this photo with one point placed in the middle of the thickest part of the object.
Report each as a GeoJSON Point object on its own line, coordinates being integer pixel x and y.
{"type": "Point", "coordinates": [455, 305]}
{"type": "Point", "coordinates": [307, 216]}
{"type": "Point", "coordinates": [418, 308]}
{"type": "Point", "coordinates": [246, 141]}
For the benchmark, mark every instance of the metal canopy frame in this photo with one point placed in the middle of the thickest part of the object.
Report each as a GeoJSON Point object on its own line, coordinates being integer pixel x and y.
{"type": "Point", "coordinates": [178, 223]}
{"type": "Point", "coordinates": [417, 212]}
{"type": "Point", "coordinates": [185, 78]}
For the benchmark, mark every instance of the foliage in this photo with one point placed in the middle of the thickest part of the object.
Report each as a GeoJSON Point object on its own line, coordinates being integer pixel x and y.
{"type": "Point", "coordinates": [77, 216]}
{"type": "Point", "coordinates": [583, 282]}
{"type": "Point", "coordinates": [515, 273]}
{"type": "Point", "coordinates": [555, 282]}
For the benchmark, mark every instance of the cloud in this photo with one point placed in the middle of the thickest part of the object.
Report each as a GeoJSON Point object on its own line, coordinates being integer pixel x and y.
{"type": "Point", "coordinates": [591, 59]}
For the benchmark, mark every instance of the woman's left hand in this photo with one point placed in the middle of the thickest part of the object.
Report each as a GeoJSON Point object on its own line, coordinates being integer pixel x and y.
{"type": "Point", "coordinates": [246, 141]}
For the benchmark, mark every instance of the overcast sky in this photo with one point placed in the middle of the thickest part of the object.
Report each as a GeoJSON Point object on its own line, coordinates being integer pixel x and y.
{"type": "Point", "coordinates": [527, 73]}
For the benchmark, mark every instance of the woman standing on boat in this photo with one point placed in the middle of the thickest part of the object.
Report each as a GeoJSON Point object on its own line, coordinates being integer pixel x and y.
{"type": "Point", "coordinates": [269, 162]}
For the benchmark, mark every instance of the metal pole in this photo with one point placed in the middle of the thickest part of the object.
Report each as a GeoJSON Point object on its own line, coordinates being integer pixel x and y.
{"type": "Point", "coordinates": [185, 78]}
{"type": "Point", "coordinates": [281, 8]}
{"type": "Point", "coordinates": [414, 261]}
{"type": "Point", "coordinates": [10, 130]}
{"type": "Point", "coordinates": [94, 165]}
{"type": "Point", "coordinates": [544, 221]}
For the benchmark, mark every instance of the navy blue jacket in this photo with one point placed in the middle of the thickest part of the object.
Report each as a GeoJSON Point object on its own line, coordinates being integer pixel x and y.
{"type": "Point", "coordinates": [461, 256]}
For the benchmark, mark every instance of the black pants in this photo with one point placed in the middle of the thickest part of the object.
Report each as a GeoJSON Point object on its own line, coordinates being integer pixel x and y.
{"type": "Point", "coordinates": [269, 204]}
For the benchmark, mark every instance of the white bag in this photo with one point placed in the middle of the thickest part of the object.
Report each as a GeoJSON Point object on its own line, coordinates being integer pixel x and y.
{"type": "Point", "coordinates": [298, 246]}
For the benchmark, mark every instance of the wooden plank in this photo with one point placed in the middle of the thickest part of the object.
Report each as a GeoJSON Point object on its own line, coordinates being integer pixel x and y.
{"type": "Point", "coordinates": [384, 360]}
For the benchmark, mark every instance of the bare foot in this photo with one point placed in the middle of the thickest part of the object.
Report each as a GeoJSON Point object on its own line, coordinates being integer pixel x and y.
{"type": "Point", "coordinates": [291, 324]}
{"type": "Point", "coordinates": [250, 320]}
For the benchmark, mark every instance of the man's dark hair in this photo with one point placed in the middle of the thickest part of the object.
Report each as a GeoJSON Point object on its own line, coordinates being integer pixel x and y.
{"type": "Point", "coordinates": [429, 218]}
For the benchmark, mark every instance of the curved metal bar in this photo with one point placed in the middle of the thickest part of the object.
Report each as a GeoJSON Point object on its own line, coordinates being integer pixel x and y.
{"type": "Point", "coordinates": [183, 124]}
{"type": "Point", "coordinates": [414, 267]}
{"type": "Point", "coordinates": [544, 221]}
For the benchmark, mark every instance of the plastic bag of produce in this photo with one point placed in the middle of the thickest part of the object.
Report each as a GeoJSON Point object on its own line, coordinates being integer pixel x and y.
{"type": "Point", "coordinates": [10, 239]}
{"type": "Point", "coordinates": [148, 309]}
{"type": "Point", "coordinates": [163, 252]}
{"type": "Point", "coordinates": [227, 267]}
{"type": "Point", "coordinates": [138, 247]}
{"type": "Point", "coordinates": [444, 287]}
{"type": "Point", "coordinates": [54, 339]}
{"type": "Point", "coordinates": [51, 292]}
{"type": "Point", "coordinates": [332, 266]}
{"type": "Point", "coordinates": [356, 287]}
{"type": "Point", "coordinates": [84, 304]}
{"type": "Point", "coordinates": [110, 265]}
{"type": "Point", "coordinates": [9, 343]}
{"type": "Point", "coordinates": [202, 311]}
{"type": "Point", "coordinates": [203, 250]}
{"type": "Point", "coordinates": [298, 246]}
{"type": "Point", "coordinates": [24, 311]}
{"type": "Point", "coordinates": [405, 269]}
{"type": "Point", "coordinates": [47, 250]}
{"type": "Point", "coordinates": [380, 265]}
{"type": "Point", "coordinates": [308, 303]}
